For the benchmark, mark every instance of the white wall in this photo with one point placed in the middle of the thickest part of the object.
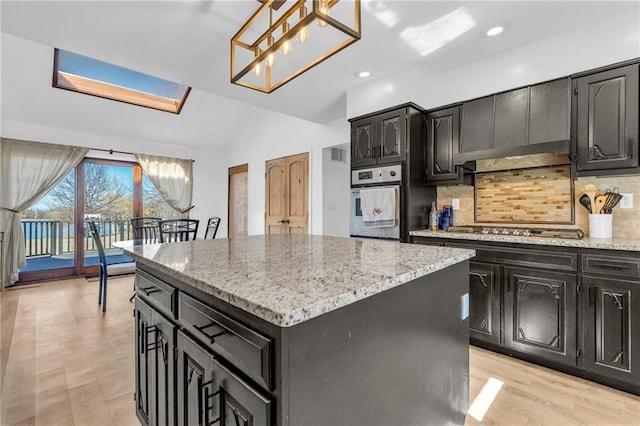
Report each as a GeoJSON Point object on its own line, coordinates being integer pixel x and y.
{"type": "Point", "coordinates": [335, 193]}
{"type": "Point", "coordinates": [590, 46]}
{"type": "Point", "coordinates": [273, 135]}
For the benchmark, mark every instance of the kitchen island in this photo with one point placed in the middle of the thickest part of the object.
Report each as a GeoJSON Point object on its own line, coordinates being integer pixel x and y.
{"type": "Point", "coordinates": [300, 329]}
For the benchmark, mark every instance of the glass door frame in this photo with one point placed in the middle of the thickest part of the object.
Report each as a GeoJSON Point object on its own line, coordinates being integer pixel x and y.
{"type": "Point", "coordinates": [80, 268]}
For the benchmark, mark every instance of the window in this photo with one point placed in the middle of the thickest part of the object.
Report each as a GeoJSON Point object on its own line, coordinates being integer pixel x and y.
{"type": "Point", "coordinates": [92, 77]}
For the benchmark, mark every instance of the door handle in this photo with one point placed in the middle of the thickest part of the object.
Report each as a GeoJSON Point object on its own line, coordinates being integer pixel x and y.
{"type": "Point", "coordinates": [283, 221]}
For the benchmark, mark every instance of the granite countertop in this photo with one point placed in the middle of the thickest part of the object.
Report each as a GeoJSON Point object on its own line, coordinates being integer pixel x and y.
{"type": "Point", "coordinates": [287, 280]}
{"type": "Point", "coordinates": [627, 244]}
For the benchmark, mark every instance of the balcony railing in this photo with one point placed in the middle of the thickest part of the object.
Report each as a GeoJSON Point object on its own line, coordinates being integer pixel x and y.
{"type": "Point", "coordinates": [53, 237]}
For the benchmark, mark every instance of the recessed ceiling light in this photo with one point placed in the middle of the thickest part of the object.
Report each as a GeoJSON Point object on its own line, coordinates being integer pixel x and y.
{"type": "Point", "coordinates": [491, 32]}
{"type": "Point", "coordinates": [362, 74]}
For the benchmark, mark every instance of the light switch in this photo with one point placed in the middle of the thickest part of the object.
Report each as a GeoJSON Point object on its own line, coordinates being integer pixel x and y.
{"type": "Point", "coordinates": [455, 203]}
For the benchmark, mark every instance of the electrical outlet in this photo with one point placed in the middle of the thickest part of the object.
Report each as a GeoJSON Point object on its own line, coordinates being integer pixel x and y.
{"type": "Point", "coordinates": [627, 201]}
{"type": "Point", "coordinates": [455, 203]}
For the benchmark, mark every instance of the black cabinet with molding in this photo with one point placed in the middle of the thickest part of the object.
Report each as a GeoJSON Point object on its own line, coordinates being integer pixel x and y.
{"type": "Point", "coordinates": [380, 139]}
{"type": "Point", "coordinates": [443, 140]}
{"type": "Point", "coordinates": [573, 310]}
{"type": "Point", "coordinates": [605, 121]}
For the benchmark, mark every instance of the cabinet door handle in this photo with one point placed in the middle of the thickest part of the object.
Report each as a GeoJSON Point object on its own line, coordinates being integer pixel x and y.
{"type": "Point", "coordinates": [208, 396]}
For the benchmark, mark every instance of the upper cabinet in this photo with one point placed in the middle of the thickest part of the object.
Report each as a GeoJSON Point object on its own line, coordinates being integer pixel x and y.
{"type": "Point", "coordinates": [606, 121]}
{"type": "Point", "coordinates": [379, 138]}
{"type": "Point", "coordinates": [443, 138]}
{"type": "Point", "coordinates": [527, 120]}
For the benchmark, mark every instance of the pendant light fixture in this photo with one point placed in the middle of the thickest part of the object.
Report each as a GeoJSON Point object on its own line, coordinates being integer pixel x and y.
{"type": "Point", "coordinates": [267, 37]}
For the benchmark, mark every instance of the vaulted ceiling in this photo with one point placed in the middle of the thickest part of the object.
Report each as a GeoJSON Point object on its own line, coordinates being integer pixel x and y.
{"type": "Point", "coordinates": [188, 42]}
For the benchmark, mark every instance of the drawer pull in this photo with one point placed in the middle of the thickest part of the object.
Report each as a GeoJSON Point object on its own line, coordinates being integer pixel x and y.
{"type": "Point", "coordinates": [615, 266]}
{"type": "Point", "coordinates": [211, 337]}
{"type": "Point", "coordinates": [148, 290]}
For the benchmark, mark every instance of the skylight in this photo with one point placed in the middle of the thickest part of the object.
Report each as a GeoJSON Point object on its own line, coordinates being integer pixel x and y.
{"type": "Point", "coordinates": [92, 77]}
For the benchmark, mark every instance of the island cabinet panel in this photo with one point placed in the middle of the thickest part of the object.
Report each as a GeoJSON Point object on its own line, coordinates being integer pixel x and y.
{"type": "Point", "coordinates": [246, 349]}
{"type": "Point", "coordinates": [606, 120]}
{"type": "Point", "coordinates": [386, 359]}
{"type": "Point", "coordinates": [209, 393]}
{"type": "Point", "coordinates": [484, 302]}
{"type": "Point", "coordinates": [540, 314]}
{"type": "Point", "coordinates": [155, 366]}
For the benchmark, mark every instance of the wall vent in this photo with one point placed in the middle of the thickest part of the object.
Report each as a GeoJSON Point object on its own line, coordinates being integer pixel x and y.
{"type": "Point", "coordinates": [338, 154]}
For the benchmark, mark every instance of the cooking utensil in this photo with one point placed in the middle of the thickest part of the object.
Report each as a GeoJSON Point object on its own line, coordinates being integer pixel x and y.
{"type": "Point", "coordinates": [612, 200]}
{"type": "Point", "coordinates": [600, 201]}
{"type": "Point", "coordinates": [586, 203]}
{"type": "Point", "coordinates": [591, 191]}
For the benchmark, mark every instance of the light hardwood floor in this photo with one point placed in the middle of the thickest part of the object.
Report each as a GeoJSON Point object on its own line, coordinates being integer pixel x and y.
{"type": "Point", "coordinates": [62, 362]}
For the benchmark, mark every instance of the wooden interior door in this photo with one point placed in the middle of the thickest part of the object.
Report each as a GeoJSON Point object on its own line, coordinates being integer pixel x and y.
{"type": "Point", "coordinates": [238, 205]}
{"type": "Point", "coordinates": [287, 198]}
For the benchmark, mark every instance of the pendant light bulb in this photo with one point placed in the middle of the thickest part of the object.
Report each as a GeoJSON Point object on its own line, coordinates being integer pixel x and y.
{"type": "Point", "coordinates": [257, 69]}
{"type": "Point", "coordinates": [271, 57]}
{"type": "Point", "coordinates": [286, 46]}
{"type": "Point", "coordinates": [303, 35]}
{"type": "Point", "coordinates": [323, 9]}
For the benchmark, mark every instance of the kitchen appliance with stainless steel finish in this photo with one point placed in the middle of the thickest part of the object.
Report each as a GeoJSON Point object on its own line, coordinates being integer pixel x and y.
{"type": "Point", "coordinates": [375, 177]}
{"type": "Point", "coordinates": [566, 233]}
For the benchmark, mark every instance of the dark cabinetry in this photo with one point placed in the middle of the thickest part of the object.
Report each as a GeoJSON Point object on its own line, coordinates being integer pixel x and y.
{"type": "Point", "coordinates": [540, 313]}
{"type": "Point", "coordinates": [155, 373]}
{"type": "Point", "coordinates": [192, 375]}
{"type": "Point", "coordinates": [484, 302]}
{"type": "Point", "coordinates": [611, 312]}
{"type": "Point", "coordinates": [606, 120]}
{"type": "Point", "coordinates": [576, 311]}
{"type": "Point", "coordinates": [443, 139]}
{"type": "Point", "coordinates": [527, 120]}
{"type": "Point", "coordinates": [208, 393]}
{"type": "Point", "coordinates": [379, 139]}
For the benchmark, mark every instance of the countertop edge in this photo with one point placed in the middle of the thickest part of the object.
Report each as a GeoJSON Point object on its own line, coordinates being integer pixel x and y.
{"type": "Point", "coordinates": [622, 244]}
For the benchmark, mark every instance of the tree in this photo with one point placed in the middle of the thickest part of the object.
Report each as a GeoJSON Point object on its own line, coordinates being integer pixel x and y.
{"type": "Point", "coordinates": [152, 203]}
{"type": "Point", "coordinates": [105, 194]}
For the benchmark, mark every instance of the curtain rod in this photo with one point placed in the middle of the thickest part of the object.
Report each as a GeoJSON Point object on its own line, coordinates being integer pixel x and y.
{"type": "Point", "coordinates": [113, 151]}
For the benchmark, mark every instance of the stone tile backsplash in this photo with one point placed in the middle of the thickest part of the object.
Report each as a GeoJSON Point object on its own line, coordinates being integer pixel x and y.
{"type": "Point", "coordinates": [626, 222]}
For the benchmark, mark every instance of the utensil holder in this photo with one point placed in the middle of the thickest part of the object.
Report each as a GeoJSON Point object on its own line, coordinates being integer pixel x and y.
{"type": "Point", "coordinates": [600, 225]}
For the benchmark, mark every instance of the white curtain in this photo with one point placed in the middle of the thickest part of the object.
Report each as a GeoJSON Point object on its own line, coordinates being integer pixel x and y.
{"type": "Point", "coordinates": [28, 170]}
{"type": "Point", "coordinates": [173, 177]}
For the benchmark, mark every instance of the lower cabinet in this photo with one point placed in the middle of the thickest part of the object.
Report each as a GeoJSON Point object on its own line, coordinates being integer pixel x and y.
{"type": "Point", "coordinates": [209, 393]}
{"type": "Point", "coordinates": [484, 302]}
{"type": "Point", "coordinates": [576, 310]}
{"type": "Point", "coordinates": [181, 379]}
{"type": "Point", "coordinates": [611, 327]}
{"type": "Point", "coordinates": [540, 314]}
{"type": "Point", "coordinates": [155, 373]}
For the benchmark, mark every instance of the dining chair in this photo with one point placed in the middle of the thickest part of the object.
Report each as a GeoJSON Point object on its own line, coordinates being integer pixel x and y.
{"type": "Point", "coordinates": [146, 229]}
{"type": "Point", "coordinates": [102, 286]}
{"type": "Point", "coordinates": [212, 228]}
{"type": "Point", "coordinates": [172, 230]}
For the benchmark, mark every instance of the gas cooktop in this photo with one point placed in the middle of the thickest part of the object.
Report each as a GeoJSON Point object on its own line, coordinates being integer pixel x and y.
{"type": "Point", "coordinates": [573, 234]}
